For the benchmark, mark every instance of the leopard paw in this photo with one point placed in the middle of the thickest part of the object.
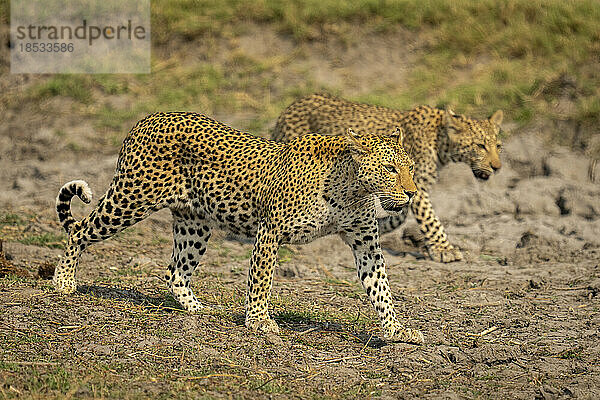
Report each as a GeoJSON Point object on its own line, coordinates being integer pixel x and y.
{"type": "Point", "coordinates": [406, 335]}
{"type": "Point", "coordinates": [267, 325]}
{"type": "Point", "coordinates": [445, 254]}
{"type": "Point", "coordinates": [193, 306]}
{"type": "Point", "coordinates": [64, 286]}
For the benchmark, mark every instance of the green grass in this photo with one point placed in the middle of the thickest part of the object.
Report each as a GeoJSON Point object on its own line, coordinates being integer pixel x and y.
{"type": "Point", "coordinates": [296, 313]}
{"type": "Point", "coordinates": [57, 380]}
{"type": "Point", "coordinates": [574, 354]}
{"type": "Point", "coordinates": [76, 87]}
{"type": "Point", "coordinates": [47, 239]}
{"type": "Point", "coordinates": [284, 254]}
{"type": "Point", "coordinates": [11, 219]}
{"type": "Point", "coordinates": [295, 317]}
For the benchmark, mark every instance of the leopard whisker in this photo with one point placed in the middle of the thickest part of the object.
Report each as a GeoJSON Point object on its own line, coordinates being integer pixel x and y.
{"type": "Point", "coordinates": [362, 201]}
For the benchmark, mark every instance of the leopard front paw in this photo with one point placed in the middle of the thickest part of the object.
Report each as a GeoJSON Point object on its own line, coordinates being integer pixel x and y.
{"type": "Point", "coordinates": [263, 325]}
{"type": "Point", "coordinates": [64, 286]}
{"type": "Point", "coordinates": [399, 334]}
{"type": "Point", "coordinates": [193, 306]}
{"type": "Point", "coordinates": [446, 254]}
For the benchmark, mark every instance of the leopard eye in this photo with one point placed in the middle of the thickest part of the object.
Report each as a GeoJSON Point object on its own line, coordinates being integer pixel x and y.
{"type": "Point", "coordinates": [411, 169]}
{"type": "Point", "coordinates": [499, 147]}
{"type": "Point", "coordinates": [390, 168]}
{"type": "Point", "coordinates": [481, 146]}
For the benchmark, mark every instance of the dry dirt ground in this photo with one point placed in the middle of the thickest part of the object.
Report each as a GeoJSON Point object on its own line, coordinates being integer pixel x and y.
{"type": "Point", "coordinates": [519, 318]}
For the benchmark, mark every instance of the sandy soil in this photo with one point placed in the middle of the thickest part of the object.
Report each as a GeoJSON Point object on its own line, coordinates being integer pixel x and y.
{"type": "Point", "coordinates": [518, 318]}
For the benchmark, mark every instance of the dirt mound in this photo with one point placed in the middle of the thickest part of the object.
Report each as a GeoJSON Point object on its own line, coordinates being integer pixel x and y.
{"type": "Point", "coordinates": [7, 268]}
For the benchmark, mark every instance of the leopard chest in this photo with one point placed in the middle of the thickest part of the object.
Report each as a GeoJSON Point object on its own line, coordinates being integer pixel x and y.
{"type": "Point", "coordinates": [315, 220]}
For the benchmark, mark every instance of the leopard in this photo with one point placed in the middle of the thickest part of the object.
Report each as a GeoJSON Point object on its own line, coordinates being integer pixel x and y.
{"type": "Point", "coordinates": [434, 137]}
{"type": "Point", "coordinates": [212, 176]}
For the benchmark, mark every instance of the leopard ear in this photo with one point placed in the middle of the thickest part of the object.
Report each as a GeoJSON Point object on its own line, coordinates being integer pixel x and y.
{"type": "Point", "coordinates": [448, 118]}
{"type": "Point", "coordinates": [356, 146]}
{"type": "Point", "coordinates": [450, 124]}
{"type": "Point", "coordinates": [398, 135]}
{"type": "Point", "coordinates": [497, 117]}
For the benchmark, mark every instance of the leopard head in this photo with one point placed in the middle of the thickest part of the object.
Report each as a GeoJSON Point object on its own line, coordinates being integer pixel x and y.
{"type": "Point", "coordinates": [475, 142]}
{"type": "Point", "coordinates": [384, 169]}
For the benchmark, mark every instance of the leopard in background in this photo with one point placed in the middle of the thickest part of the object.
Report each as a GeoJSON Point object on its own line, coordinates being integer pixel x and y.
{"type": "Point", "coordinates": [433, 138]}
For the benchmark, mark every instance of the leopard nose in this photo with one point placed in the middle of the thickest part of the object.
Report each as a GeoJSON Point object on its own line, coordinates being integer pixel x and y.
{"type": "Point", "coordinates": [495, 164]}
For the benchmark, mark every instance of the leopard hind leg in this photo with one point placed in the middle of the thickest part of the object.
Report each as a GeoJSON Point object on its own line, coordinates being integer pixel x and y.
{"type": "Point", "coordinates": [114, 212]}
{"type": "Point", "coordinates": [190, 237]}
{"type": "Point", "coordinates": [388, 224]}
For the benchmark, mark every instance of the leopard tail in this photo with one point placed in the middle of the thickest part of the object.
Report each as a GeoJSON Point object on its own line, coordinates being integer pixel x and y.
{"type": "Point", "coordinates": [63, 201]}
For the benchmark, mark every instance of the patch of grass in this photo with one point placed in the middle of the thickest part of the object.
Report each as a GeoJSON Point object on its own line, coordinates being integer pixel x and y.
{"type": "Point", "coordinates": [111, 84]}
{"type": "Point", "coordinates": [169, 301]}
{"type": "Point", "coordinates": [131, 271]}
{"type": "Point", "coordinates": [285, 254]}
{"type": "Point", "coordinates": [8, 366]}
{"type": "Point", "coordinates": [487, 377]}
{"type": "Point", "coordinates": [487, 257]}
{"type": "Point", "coordinates": [11, 219]}
{"type": "Point", "coordinates": [127, 233]}
{"type": "Point", "coordinates": [357, 294]}
{"type": "Point", "coordinates": [5, 12]}
{"type": "Point", "coordinates": [76, 87]}
{"type": "Point", "coordinates": [79, 87]}
{"type": "Point", "coordinates": [159, 241]}
{"type": "Point", "coordinates": [362, 391]}
{"type": "Point", "coordinates": [29, 338]}
{"type": "Point", "coordinates": [295, 317]}
{"type": "Point", "coordinates": [74, 147]}
{"type": "Point", "coordinates": [314, 344]}
{"type": "Point", "coordinates": [270, 386]}
{"type": "Point", "coordinates": [187, 87]}
{"type": "Point", "coordinates": [571, 354]}
{"type": "Point", "coordinates": [112, 118]}
{"type": "Point", "coordinates": [335, 281]}
{"type": "Point", "coordinates": [478, 56]}
{"type": "Point", "coordinates": [295, 313]}
{"type": "Point", "coordinates": [57, 380]}
{"type": "Point", "coordinates": [47, 239]}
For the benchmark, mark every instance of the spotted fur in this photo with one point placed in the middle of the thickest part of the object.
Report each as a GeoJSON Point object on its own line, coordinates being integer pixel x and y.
{"type": "Point", "coordinates": [63, 201]}
{"type": "Point", "coordinates": [433, 138]}
{"type": "Point", "coordinates": [210, 175]}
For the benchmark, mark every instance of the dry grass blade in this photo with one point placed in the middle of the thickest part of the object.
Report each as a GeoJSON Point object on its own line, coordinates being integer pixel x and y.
{"type": "Point", "coordinates": [334, 360]}
{"type": "Point", "coordinates": [484, 332]}
{"type": "Point", "coordinates": [567, 288]}
{"type": "Point", "coordinates": [32, 363]}
{"type": "Point", "coordinates": [192, 378]}
{"type": "Point", "coordinates": [308, 331]}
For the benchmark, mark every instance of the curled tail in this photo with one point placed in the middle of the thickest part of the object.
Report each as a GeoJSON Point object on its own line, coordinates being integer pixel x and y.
{"type": "Point", "coordinates": [63, 201]}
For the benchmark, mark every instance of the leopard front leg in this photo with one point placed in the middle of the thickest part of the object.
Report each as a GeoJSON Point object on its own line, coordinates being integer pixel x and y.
{"type": "Point", "coordinates": [438, 246]}
{"type": "Point", "coordinates": [370, 266]}
{"type": "Point", "coordinates": [260, 281]}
